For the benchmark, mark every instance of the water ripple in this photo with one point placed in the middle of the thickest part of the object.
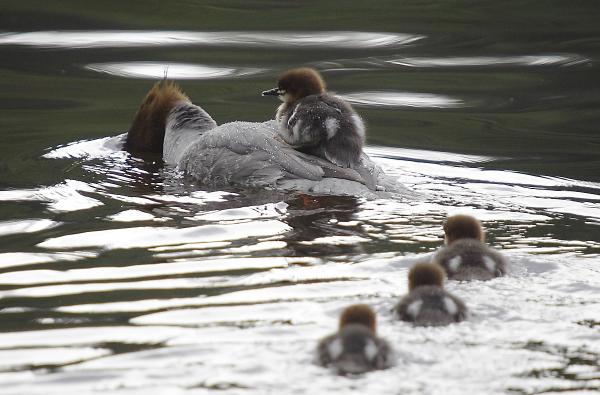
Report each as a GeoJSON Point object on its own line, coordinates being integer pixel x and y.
{"type": "Point", "coordinates": [34, 277]}
{"type": "Point", "coordinates": [26, 226]}
{"type": "Point", "coordinates": [137, 38]}
{"type": "Point", "coordinates": [63, 197]}
{"type": "Point", "coordinates": [477, 61]}
{"type": "Point", "coordinates": [534, 60]}
{"type": "Point", "coordinates": [180, 71]}
{"type": "Point", "coordinates": [402, 99]}
{"type": "Point", "coordinates": [155, 236]}
{"type": "Point", "coordinates": [13, 259]}
{"type": "Point", "coordinates": [97, 148]}
{"type": "Point", "coordinates": [32, 357]}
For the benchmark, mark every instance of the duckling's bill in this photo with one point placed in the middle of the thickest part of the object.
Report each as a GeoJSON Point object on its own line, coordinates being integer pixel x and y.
{"type": "Point", "coordinates": [273, 92]}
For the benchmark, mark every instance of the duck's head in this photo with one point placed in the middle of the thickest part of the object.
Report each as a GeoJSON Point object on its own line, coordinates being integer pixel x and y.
{"type": "Point", "coordinates": [425, 274]}
{"type": "Point", "coordinates": [359, 314]}
{"type": "Point", "coordinates": [295, 84]}
{"type": "Point", "coordinates": [462, 227]}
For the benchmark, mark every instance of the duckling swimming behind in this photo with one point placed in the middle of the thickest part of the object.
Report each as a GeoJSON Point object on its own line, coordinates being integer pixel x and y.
{"type": "Point", "coordinates": [465, 256]}
{"type": "Point", "coordinates": [317, 122]}
{"type": "Point", "coordinates": [427, 303]}
{"type": "Point", "coordinates": [355, 348]}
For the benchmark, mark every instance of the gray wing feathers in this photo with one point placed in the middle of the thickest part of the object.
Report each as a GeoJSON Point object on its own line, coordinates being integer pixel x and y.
{"type": "Point", "coordinates": [245, 153]}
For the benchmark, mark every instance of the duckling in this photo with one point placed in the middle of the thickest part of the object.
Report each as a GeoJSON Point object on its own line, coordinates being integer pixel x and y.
{"type": "Point", "coordinates": [355, 348]}
{"type": "Point", "coordinates": [428, 303]}
{"type": "Point", "coordinates": [315, 121]}
{"type": "Point", "coordinates": [465, 256]}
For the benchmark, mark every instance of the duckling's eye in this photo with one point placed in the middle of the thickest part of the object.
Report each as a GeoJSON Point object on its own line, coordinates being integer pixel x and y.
{"type": "Point", "coordinates": [281, 91]}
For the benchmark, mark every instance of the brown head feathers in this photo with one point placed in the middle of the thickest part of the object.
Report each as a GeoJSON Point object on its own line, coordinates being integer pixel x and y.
{"type": "Point", "coordinates": [147, 132]}
{"type": "Point", "coordinates": [358, 314]}
{"type": "Point", "coordinates": [462, 227]}
{"type": "Point", "coordinates": [301, 82]}
{"type": "Point", "coordinates": [425, 274]}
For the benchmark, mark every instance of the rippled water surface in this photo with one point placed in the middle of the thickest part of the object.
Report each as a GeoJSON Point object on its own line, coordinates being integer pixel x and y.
{"type": "Point", "coordinates": [121, 275]}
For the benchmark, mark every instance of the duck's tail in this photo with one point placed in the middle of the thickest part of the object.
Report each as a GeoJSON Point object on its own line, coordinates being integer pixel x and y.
{"type": "Point", "coordinates": [147, 132]}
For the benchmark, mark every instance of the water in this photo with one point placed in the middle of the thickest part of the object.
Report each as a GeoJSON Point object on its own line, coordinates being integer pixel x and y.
{"type": "Point", "coordinates": [119, 275]}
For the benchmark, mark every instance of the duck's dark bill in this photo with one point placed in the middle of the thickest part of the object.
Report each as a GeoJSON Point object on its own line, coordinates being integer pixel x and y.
{"type": "Point", "coordinates": [271, 92]}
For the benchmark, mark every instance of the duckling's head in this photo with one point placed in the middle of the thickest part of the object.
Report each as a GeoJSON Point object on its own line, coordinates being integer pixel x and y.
{"type": "Point", "coordinates": [462, 227]}
{"type": "Point", "coordinates": [358, 314]}
{"type": "Point", "coordinates": [295, 84]}
{"type": "Point", "coordinates": [425, 274]}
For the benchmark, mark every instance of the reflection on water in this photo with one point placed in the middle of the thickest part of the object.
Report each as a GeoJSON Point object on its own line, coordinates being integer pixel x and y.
{"type": "Point", "coordinates": [123, 275]}
{"type": "Point", "coordinates": [151, 236]}
{"type": "Point", "coordinates": [26, 226]}
{"type": "Point", "coordinates": [180, 71]}
{"type": "Point", "coordinates": [402, 99]}
{"type": "Point", "coordinates": [375, 62]}
{"type": "Point", "coordinates": [528, 60]}
{"type": "Point", "coordinates": [63, 197]}
{"type": "Point", "coordinates": [133, 38]}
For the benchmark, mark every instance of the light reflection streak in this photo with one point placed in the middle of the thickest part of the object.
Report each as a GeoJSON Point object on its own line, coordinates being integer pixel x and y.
{"type": "Point", "coordinates": [180, 71]}
{"type": "Point", "coordinates": [138, 38]}
{"type": "Point", "coordinates": [402, 99]}
{"type": "Point", "coordinates": [476, 61]}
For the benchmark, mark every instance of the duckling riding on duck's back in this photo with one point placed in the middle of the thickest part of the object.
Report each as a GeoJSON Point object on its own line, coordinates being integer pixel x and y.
{"type": "Point", "coordinates": [315, 121]}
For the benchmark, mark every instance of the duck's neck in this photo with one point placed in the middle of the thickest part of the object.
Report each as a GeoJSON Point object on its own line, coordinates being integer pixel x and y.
{"type": "Point", "coordinates": [185, 123]}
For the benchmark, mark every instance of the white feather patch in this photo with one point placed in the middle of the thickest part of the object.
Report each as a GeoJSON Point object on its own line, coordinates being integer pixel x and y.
{"type": "Point", "coordinates": [332, 125]}
{"type": "Point", "coordinates": [335, 349]}
{"type": "Point", "coordinates": [489, 263]}
{"type": "Point", "coordinates": [414, 308]}
{"type": "Point", "coordinates": [371, 350]}
{"type": "Point", "coordinates": [279, 112]}
{"type": "Point", "coordinates": [450, 306]}
{"type": "Point", "coordinates": [454, 263]}
{"type": "Point", "coordinates": [296, 131]}
{"type": "Point", "coordinates": [359, 125]}
{"type": "Point", "coordinates": [293, 115]}
{"type": "Point", "coordinates": [286, 98]}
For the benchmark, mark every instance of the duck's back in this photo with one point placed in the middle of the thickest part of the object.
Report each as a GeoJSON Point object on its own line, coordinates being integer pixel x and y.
{"type": "Point", "coordinates": [354, 349]}
{"type": "Point", "coordinates": [470, 259]}
{"type": "Point", "coordinates": [431, 306]}
{"type": "Point", "coordinates": [252, 154]}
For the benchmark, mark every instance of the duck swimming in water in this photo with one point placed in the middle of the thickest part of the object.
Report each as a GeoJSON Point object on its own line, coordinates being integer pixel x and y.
{"type": "Point", "coordinates": [465, 256]}
{"type": "Point", "coordinates": [315, 121]}
{"type": "Point", "coordinates": [428, 303]}
{"type": "Point", "coordinates": [244, 153]}
{"type": "Point", "coordinates": [355, 348]}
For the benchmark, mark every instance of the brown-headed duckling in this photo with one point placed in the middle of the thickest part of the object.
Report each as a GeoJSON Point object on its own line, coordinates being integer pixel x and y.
{"type": "Point", "coordinates": [465, 256]}
{"type": "Point", "coordinates": [315, 121]}
{"type": "Point", "coordinates": [355, 348]}
{"type": "Point", "coordinates": [428, 303]}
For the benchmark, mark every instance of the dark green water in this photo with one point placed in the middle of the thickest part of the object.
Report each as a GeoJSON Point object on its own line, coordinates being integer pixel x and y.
{"type": "Point", "coordinates": [486, 107]}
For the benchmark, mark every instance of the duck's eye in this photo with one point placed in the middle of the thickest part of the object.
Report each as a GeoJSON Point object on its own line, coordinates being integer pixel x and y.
{"type": "Point", "coordinates": [281, 92]}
